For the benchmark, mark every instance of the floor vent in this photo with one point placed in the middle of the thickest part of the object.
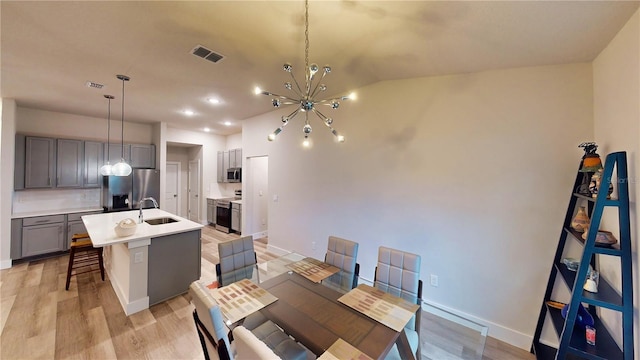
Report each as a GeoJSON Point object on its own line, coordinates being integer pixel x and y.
{"type": "Point", "coordinates": [203, 52]}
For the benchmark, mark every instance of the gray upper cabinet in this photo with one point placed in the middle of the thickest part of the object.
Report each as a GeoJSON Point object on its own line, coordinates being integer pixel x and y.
{"type": "Point", "coordinates": [114, 153]}
{"type": "Point", "coordinates": [39, 164]}
{"type": "Point", "coordinates": [143, 156]}
{"type": "Point", "coordinates": [70, 159]}
{"type": "Point", "coordinates": [93, 161]}
{"type": "Point", "coordinates": [221, 170]}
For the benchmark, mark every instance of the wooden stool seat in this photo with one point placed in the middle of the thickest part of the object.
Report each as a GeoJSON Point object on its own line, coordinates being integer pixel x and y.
{"type": "Point", "coordinates": [83, 255]}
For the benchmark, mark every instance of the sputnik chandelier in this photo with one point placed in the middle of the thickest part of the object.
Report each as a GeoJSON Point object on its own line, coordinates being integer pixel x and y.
{"type": "Point", "coordinates": [305, 97]}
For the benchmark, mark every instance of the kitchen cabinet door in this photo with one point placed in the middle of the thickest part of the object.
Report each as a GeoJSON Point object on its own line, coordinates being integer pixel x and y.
{"type": "Point", "coordinates": [225, 161]}
{"type": "Point", "coordinates": [16, 239]}
{"type": "Point", "coordinates": [42, 239]}
{"type": "Point", "coordinates": [211, 208]}
{"type": "Point", "coordinates": [113, 152]}
{"type": "Point", "coordinates": [222, 173]}
{"type": "Point", "coordinates": [93, 161]}
{"type": "Point", "coordinates": [70, 156]}
{"type": "Point", "coordinates": [40, 163]}
{"type": "Point", "coordinates": [236, 213]}
{"type": "Point", "coordinates": [143, 156]}
{"type": "Point", "coordinates": [239, 158]}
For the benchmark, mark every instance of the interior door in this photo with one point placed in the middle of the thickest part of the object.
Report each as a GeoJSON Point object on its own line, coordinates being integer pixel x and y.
{"type": "Point", "coordinates": [172, 194]}
{"type": "Point", "coordinates": [194, 190]}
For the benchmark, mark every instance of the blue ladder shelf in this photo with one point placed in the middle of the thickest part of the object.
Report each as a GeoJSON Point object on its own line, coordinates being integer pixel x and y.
{"type": "Point", "coordinates": [572, 342]}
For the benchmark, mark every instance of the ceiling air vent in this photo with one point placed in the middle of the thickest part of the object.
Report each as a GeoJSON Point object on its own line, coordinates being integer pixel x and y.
{"type": "Point", "coordinates": [94, 85]}
{"type": "Point", "coordinates": [207, 54]}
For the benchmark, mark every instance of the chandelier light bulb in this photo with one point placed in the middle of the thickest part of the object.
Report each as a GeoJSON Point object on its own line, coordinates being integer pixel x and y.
{"type": "Point", "coordinates": [275, 102]}
{"type": "Point", "coordinates": [271, 137]}
{"type": "Point", "coordinates": [306, 143]}
{"type": "Point", "coordinates": [257, 90]}
{"type": "Point", "coordinates": [287, 67]}
{"type": "Point", "coordinates": [326, 69]}
{"type": "Point", "coordinates": [340, 138]}
{"type": "Point", "coordinates": [313, 68]}
{"type": "Point", "coordinates": [287, 85]}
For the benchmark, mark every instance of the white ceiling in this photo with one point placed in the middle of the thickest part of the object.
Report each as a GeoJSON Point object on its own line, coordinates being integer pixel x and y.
{"type": "Point", "coordinates": [50, 49]}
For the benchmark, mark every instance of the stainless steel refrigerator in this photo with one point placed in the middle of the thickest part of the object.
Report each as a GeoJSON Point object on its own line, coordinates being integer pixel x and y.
{"type": "Point", "coordinates": [124, 192]}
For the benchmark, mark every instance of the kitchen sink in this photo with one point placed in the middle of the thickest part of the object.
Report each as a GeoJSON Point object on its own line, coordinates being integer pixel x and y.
{"type": "Point", "coordinates": [158, 221]}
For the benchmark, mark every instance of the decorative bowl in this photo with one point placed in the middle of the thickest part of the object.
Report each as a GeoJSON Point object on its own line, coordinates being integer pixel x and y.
{"type": "Point", "coordinates": [126, 227]}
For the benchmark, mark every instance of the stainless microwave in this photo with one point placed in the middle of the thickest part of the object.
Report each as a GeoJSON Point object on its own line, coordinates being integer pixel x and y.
{"type": "Point", "coordinates": [234, 175]}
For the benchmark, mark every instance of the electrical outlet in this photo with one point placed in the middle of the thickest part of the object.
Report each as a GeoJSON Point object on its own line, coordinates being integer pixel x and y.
{"type": "Point", "coordinates": [138, 257]}
{"type": "Point", "coordinates": [313, 245]}
{"type": "Point", "coordinates": [434, 280]}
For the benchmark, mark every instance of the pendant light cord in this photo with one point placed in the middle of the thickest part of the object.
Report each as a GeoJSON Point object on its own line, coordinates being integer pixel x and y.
{"type": "Point", "coordinates": [122, 117]}
{"type": "Point", "coordinates": [109, 130]}
{"type": "Point", "coordinates": [306, 42]}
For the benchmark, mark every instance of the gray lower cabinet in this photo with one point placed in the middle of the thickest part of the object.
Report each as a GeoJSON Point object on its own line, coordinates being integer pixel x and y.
{"type": "Point", "coordinates": [43, 234]}
{"type": "Point", "coordinates": [174, 263]}
{"type": "Point", "coordinates": [16, 239]}
{"type": "Point", "coordinates": [236, 215]}
{"type": "Point", "coordinates": [69, 162]}
{"type": "Point", "coordinates": [211, 211]}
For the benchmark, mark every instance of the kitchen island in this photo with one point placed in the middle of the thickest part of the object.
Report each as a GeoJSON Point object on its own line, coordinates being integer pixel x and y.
{"type": "Point", "coordinates": [156, 263]}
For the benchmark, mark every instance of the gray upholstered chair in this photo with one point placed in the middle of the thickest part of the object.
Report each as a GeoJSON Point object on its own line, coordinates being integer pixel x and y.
{"type": "Point", "coordinates": [210, 324]}
{"type": "Point", "coordinates": [343, 253]}
{"type": "Point", "coordinates": [398, 273]}
{"type": "Point", "coordinates": [237, 260]}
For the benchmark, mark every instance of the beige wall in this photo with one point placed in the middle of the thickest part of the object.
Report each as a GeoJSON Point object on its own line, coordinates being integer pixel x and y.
{"type": "Point", "coordinates": [616, 78]}
{"type": "Point", "coordinates": [472, 172]}
{"type": "Point", "coordinates": [54, 124]}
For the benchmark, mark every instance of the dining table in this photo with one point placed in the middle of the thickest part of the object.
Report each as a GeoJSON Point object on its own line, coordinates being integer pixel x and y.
{"type": "Point", "coordinates": [310, 310]}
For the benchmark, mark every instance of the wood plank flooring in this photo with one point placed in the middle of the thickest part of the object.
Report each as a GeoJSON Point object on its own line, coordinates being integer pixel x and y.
{"type": "Point", "coordinates": [40, 320]}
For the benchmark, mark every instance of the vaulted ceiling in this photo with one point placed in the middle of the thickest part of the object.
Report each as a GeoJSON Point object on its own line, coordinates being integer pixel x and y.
{"type": "Point", "coordinates": [51, 49]}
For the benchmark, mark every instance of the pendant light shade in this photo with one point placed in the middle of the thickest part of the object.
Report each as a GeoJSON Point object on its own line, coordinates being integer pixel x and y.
{"type": "Point", "coordinates": [106, 169]}
{"type": "Point", "coordinates": [122, 168]}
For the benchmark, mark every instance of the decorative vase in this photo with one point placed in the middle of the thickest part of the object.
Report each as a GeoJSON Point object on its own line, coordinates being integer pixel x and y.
{"type": "Point", "coordinates": [580, 222]}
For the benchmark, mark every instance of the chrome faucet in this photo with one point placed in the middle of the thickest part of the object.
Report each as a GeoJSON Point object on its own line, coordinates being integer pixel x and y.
{"type": "Point", "coordinates": [155, 204]}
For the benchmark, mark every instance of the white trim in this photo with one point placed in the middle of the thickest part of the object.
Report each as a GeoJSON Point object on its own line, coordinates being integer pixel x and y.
{"type": "Point", "coordinates": [260, 235]}
{"type": "Point", "coordinates": [137, 306]}
{"type": "Point", "coordinates": [497, 331]}
{"type": "Point", "coordinates": [5, 264]}
{"type": "Point", "coordinates": [485, 327]}
{"type": "Point", "coordinates": [276, 250]}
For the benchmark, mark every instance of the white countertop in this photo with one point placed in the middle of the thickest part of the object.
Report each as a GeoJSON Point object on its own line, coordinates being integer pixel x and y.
{"type": "Point", "coordinates": [52, 212]}
{"type": "Point", "coordinates": [237, 201]}
{"type": "Point", "coordinates": [101, 226]}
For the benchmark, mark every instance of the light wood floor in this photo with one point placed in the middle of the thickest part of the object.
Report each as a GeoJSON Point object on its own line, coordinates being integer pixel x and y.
{"type": "Point", "coordinates": [40, 320]}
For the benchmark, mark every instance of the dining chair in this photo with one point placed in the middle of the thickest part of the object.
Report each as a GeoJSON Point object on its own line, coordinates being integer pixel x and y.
{"type": "Point", "coordinates": [268, 334]}
{"type": "Point", "coordinates": [343, 253]}
{"type": "Point", "coordinates": [398, 273]}
{"type": "Point", "coordinates": [82, 255]}
{"type": "Point", "coordinates": [210, 324]}
{"type": "Point", "coordinates": [237, 260]}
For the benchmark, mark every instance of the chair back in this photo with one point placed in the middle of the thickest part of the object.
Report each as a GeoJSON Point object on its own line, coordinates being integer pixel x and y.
{"type": "Point", "coordinates": [343, 253]}
{"type": "Point", "coordinates": [398, 273]}
{"type": "Point", "coordinates": [209, 323]}
{"type": "Point", "coordinates": [250, 347]}
{"type": "Point", "coordinates": [237, 260]}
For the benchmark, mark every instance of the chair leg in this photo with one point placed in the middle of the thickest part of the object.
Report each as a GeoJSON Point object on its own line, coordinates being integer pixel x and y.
{"type": "Point", "coordinates": [70, 267]}
{"type": "Point", "coordinates": [101, 263]}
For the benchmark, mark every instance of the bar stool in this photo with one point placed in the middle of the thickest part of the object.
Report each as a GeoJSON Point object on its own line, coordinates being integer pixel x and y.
{"type": "Point", "coordinates": [82, 254]}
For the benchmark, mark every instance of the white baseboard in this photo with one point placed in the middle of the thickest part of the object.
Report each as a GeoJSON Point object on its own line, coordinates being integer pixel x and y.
{"type": "Point", "coordinates": [260, 235]}
{"type": "Point", "coordinates": [128, 307]}
{"type": "Point", "coordinates": [276, 250]}
{"type": "Point", "coordinates": [497, 331]}
{"type": "Point", "coordinates": [5, 264]}
{"type": "Point", "coordinates": [494, 330]}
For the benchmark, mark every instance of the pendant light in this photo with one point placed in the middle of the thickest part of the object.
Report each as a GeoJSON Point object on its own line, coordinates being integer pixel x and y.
{"type": "Point", "coordinates": [122, 168]}
{"type": "Point", "coordinates": [106, 170]}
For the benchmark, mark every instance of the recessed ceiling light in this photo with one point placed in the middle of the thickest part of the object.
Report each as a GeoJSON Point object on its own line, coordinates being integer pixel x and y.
{"type": "Point", "coordinates": [207, 129]}
{"type": "Point", "coordinates": [227, 123]}
{"type": "Point", "coordinates": [189, 112]}
{"type": "Point", "coordinates": [213, 100]}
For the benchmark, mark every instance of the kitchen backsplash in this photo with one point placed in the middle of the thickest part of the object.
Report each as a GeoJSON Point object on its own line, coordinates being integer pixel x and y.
{"type": "Point", "coordinates": [53, 200]}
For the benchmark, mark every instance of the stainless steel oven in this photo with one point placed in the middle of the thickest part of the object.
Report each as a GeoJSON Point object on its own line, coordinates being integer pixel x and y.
{"type": "Point", "coordinates": [223, 215]}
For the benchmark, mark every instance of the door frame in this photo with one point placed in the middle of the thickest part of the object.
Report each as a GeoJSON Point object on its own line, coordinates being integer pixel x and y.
{"type": "Point", "coordinates": [178, 182]}
{"type": "Point", "coordinates": [190, 210]}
